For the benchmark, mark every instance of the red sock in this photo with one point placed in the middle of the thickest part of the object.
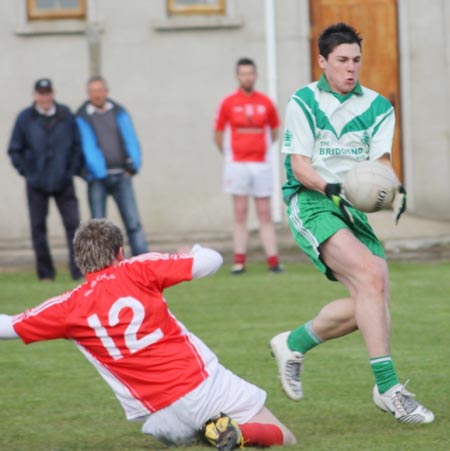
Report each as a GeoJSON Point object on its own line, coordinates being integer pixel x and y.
{"type": "Point", "coordinates": [261, 434]}
{"type": "Point", "coordinates": [273, 261]}
{"type": "Point", "coordinates": [239, 259]}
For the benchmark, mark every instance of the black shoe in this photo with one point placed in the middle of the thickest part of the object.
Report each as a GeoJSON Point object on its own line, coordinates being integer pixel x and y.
{"type": "Point", "coordinates": [237, 268]}
{"type": "Point", "coordinates": [276, 269]}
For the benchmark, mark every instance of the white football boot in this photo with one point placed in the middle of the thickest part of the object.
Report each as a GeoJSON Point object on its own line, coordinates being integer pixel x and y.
{"type": "Point", "coordinates": [290, 366]}
{"type": "Point", "coordinates": [401, 403]}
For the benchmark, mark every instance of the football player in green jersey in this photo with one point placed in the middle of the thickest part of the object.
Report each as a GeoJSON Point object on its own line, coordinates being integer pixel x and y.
{"type": "Point", "coordinates": [330, 125]}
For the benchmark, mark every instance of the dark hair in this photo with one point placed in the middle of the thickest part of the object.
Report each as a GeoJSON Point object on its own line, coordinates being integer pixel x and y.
{"type": "Point", "coordinates": [96, 244]}
{"type": "Point", "coordinates": [245, 62]}
{"type": "Point", "coordinates": [337, 34]}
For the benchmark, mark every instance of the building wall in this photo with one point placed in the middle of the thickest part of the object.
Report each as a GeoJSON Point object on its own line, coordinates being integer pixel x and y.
{"type": "Point", "coordinates": [171, 76]}
{"type": "Point", "coordinates": [425, 66]}
{"type": "Point", "coordinates": [171, 80]}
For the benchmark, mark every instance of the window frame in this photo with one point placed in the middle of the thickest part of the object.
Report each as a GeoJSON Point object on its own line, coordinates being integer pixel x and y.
{"type": "Point", "coordinates": [174, 9]}
{"type": "Point", "coordinates": [34, 13]}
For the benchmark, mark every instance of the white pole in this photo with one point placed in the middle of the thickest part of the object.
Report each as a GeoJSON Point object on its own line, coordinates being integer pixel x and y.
{"type": "Point", "coordinates": [271, 58]}
{"type": "Point", "coordinates": [93, 39]}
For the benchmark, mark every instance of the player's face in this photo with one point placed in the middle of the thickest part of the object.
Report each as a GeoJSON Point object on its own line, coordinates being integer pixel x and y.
{"type": "Point", "coordinates": [246, 76]}
{"type": "Point", "coordinates": [97, 93]}
{"type": "Point", "coordinates": [342, 67]}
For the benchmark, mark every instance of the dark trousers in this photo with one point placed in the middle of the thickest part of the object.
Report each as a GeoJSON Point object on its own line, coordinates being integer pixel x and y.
{"type": "Point", "coordinates": [120, 187]}
{"type": "Point", "coordinates": [67, 203]}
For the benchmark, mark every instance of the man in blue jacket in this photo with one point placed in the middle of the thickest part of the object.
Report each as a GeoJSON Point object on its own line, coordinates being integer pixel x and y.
{"type": "Point", "coordinates": [112, 155]}
{"type": "Point", "coordinates": [45, 150]}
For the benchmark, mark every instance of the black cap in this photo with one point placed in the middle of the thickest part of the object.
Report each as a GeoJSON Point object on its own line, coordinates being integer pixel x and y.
{"type": "Point", "coordinates": [43, 85]}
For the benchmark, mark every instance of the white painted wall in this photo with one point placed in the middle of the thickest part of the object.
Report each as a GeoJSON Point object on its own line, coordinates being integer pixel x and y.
{"type": "Point", "coordinates": [171, 79]}
{"type": "Point", "coordinates": [425, 104]}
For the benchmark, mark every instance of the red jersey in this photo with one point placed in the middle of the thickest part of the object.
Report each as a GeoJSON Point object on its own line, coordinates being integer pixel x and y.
{"type": "Point", "coordinates": [247, 120]}
{"type": "Point", "coordinates": [120, 321]}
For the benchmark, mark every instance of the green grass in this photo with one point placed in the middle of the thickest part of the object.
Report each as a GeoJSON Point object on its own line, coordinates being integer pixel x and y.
{"type": "Point", "coordinates": [52, 399]}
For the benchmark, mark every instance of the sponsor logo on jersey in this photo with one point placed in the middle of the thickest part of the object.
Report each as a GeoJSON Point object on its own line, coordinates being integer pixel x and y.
{"type": "Point", "coordinates": [337, 151]}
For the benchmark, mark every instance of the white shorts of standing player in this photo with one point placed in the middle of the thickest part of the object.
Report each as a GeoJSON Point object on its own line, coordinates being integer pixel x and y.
{"type": "Point", "coordinates": [252, 179]}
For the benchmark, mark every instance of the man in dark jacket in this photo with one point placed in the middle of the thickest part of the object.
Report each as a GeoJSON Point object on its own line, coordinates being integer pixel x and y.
{"type": "Point", "coordinates": [45, 150]}
{"type": "Point", "coordinates": [113, 155]}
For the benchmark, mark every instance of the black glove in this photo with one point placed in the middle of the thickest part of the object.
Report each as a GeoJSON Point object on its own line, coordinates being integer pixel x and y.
{"type": "Point", "coordinates": [399, 202]}
{"type": "Point", "coordinates": [333, 191]}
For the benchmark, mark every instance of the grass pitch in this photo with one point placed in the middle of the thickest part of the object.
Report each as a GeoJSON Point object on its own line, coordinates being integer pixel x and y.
{"type": "Point", "coordinates": [52, 399]}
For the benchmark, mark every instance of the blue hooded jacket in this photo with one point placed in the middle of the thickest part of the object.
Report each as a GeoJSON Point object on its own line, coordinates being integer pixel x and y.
{"type": "Point", "coordinates": [93, 155]}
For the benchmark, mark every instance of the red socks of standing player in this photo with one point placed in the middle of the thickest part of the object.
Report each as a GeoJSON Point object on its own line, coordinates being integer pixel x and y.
{"type": "Point", "coordinates": [273, 261]}
{"type": "Point", "coordinates": [261, 434]}
{"type": "Point", "coordinates": [239, 259]}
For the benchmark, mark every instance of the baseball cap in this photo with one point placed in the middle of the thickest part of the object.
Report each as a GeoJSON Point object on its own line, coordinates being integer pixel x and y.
{"type": "Point", "coordinates": [43, 85]}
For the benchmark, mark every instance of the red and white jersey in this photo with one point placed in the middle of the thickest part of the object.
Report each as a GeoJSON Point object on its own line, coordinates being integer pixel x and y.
{"type": "Point", "coordinates": [247, 120]}
{"type": "Point", "coordinates": [119, 319]}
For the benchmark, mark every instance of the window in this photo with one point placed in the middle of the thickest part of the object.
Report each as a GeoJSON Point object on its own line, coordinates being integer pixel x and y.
{"type": "Point", "coordinates": [197, 15]}
{"type": "Point", "coordinates": [56, 9]}
{"type": "Point", "coordinates": [202, 7]}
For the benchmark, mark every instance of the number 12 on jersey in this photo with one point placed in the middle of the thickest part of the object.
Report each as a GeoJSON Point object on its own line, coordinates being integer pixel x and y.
{"type": "Point", "coordinates": [132, 342]}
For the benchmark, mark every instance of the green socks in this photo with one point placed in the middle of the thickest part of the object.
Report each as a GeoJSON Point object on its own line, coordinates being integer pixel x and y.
{"type": "Point", "coordinates": [303, 339]}
{"type": "Point", "coordinates": [384, 372]}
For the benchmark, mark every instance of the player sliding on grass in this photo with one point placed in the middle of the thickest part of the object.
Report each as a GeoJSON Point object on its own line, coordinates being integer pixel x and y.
{"type": "Point", "coordinates": [162, 374]}
{"type": "Point", "coordinates": [331, 125]}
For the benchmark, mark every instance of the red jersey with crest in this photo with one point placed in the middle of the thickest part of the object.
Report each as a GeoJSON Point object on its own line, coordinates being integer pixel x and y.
{"type": "Point", "coordinates": [120, 321]}
{"type": "Point", "coordinates": [247, 120]}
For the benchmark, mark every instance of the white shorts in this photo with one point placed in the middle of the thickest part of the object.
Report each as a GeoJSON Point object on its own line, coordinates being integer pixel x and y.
{"type": "Point", "coordinates": [180, 423]}
{"type": "Point", "coordinates": [251, 179]}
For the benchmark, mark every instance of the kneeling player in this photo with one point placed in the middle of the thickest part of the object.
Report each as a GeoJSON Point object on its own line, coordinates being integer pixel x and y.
{"type": "Point", "coordinates": [161, 373]}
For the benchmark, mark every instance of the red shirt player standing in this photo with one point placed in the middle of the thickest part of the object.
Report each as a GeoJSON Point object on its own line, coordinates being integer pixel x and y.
{"type": "Point", "coordinates": [246, 125]}
{"type": "Point", "coordinates": [162, 374]}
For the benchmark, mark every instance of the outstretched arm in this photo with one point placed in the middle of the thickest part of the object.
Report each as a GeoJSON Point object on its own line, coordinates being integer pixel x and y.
{"type": "Point", "coordinates": [206, 261]}
{"type": "Point", "coordinates": [7, 331]}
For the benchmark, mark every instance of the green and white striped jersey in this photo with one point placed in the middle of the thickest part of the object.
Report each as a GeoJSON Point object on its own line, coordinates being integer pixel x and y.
{"type": "Point", "coordinates": [335, 130]}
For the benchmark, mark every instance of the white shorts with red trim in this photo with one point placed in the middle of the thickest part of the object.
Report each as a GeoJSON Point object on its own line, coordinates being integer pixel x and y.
{"type": "Point", "coordinates": [180, 423]}
{"type": "Point", "coordinates": [248, 179]}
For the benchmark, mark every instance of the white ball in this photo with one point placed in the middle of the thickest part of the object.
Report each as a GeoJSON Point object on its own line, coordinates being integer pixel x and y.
{"type": "Point", "coordinates": [370, 186]}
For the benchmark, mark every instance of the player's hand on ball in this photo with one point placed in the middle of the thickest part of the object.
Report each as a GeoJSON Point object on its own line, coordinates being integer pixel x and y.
{"type": "Point", "coordinates": [333, 191]}
{"type": "Point", "coordinates": [399, 202]}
